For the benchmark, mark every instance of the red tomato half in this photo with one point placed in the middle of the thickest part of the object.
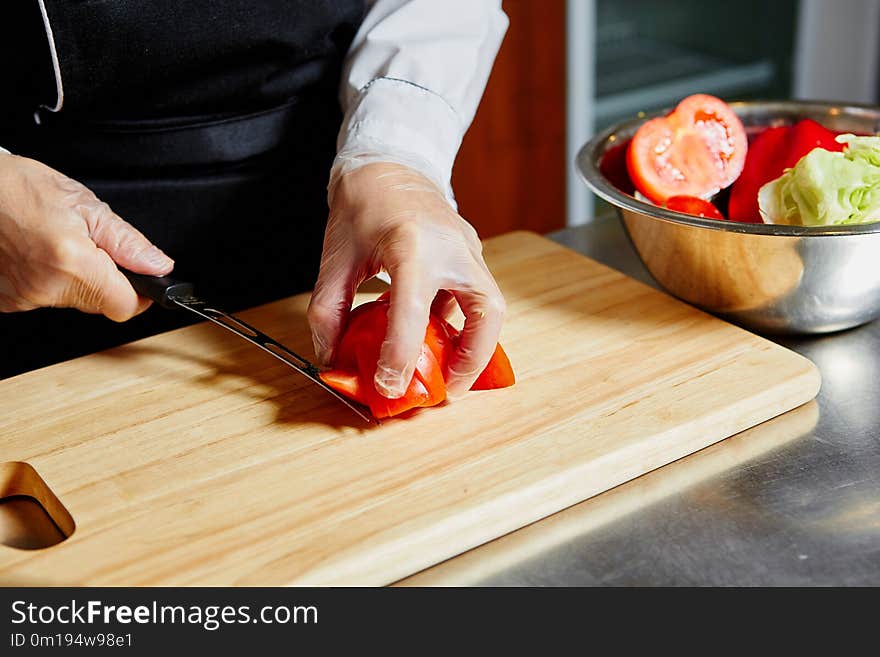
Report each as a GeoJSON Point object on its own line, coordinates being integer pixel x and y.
{"type": "Point", "coordinates": [697, 150]}
{"type": "Point", "coordinates": [693, 206]}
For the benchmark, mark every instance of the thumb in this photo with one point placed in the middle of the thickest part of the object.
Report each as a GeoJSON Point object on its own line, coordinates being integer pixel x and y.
{"type": "Point", "coordinates": [99, 287]}
{"type": "Point", "coordinates": [124, 243]}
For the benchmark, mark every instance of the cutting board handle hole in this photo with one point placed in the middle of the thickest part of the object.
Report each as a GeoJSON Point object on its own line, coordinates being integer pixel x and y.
{"type": "Point", "coordinates": [31, 516]}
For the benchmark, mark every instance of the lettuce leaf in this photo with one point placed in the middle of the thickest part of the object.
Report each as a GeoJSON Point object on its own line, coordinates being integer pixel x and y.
{"type": "Point", "coordinates": [861, 148]}
{"type": "Point", "coordinates": [827, 188]}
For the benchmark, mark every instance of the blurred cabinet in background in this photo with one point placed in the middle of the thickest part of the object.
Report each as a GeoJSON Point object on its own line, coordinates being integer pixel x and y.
{"type": "Point", "coordinates": [837, 55]}
{"type": "Point", "coordinates": [510, 172]}
{"type": "Point", "coordinates": [652, 54]}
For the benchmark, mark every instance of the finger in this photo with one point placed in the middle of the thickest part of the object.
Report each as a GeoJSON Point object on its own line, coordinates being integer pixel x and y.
{"type": "Point", "coordinates": [125, 244]}
{"type": "Point", "coordinates": [484, 314]}
{"type": "Point", "coordinates": [99, 287]}
{"type": "Point", "coordinates": [143, 304]}
{"type": "Point", "coordinates": [329, 306]}
{"type": "Point", "coordinates": [408, 312]}
{"type": "Point", "coordinates": [444, 304]}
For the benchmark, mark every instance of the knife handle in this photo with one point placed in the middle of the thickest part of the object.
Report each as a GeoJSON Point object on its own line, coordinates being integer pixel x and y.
{"type": "Point", "coordinates": [160, 289]}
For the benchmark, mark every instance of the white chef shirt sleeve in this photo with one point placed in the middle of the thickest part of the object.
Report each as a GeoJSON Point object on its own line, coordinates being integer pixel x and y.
{"type": "Point", "coordinates": [412, 81]}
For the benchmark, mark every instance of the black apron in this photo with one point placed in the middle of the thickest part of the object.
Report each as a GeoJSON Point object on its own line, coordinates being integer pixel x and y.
{"type": "Point", "coordinates": [209, 126]}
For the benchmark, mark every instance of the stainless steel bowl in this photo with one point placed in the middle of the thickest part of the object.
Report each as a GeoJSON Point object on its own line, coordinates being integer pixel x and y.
{"type": "Point", "coordinates": [772, 278]}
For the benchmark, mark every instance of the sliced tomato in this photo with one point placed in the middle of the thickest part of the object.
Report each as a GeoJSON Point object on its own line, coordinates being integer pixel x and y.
{"type": "Point", "coordinates": [365, 325]}
{"type": "Point", "coordinates": [357, 354]}
{"type": "Point", "coordinates": [431, 375]}
{"type": "Point", "coordinates": [440, 337]}
{"type": "Point", "coordinates": [694, 206]}
{"type": "Point", "coordinates": [697, 150]}
{"type": "Point", "coordinates": [345, 382]}
{"type": "Point", "coordinates": [417, 393]}
{"type": "Point", "coordinates": [498, 373]}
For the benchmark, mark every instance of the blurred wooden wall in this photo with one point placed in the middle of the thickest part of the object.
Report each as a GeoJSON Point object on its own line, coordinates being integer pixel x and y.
{"type": "Point", "coordinates": [510, 172]}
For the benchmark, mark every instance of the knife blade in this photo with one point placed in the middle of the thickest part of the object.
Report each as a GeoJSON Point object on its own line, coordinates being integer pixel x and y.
{"type": "Point", "coordinates": [172, 293]}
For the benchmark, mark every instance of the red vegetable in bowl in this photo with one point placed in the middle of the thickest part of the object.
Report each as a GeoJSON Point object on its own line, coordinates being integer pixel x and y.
{"type": "Point", "coordinates": [694, 206]}
{"type": "Point", "coordinates": [354, 364]}
{"type": "Point", "coordinates": [613, 167]}
{"type": "Point", "coordinates": [697, 150]}
{"type": "Point", "coordinates": [769, 154]}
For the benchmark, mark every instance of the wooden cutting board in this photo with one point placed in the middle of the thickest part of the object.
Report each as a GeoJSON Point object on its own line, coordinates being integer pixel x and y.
{"type": "Point", "coordinates": [193, 458]}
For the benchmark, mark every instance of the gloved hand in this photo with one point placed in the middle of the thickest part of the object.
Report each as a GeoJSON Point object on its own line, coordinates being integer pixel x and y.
{"type": "Point", "coordinates": [389, 216]}
{"type": "Point", "coordinates": [59, 245]}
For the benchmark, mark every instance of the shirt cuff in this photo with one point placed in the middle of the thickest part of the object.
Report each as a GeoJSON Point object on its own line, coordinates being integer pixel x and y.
{"type": "Point", "coordinates": [394, 120]}
{"type": "Point", "coordinates": [4, 151]}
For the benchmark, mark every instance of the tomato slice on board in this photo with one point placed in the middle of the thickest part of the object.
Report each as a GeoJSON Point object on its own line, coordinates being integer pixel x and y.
{"type": "Point", "coordinates": [697, 150]}
{"type": "Point", "coordinates": [498, 373]}
{"type": "Point", "coordinates": [345, 382]}
{"type": "Point", "coordinates": [356, 356]}
{"type": "Point", "coordinates": [440, 337]}
{"type": "Point", "coordinates": [426, 388]}
{"type": "Point", "coordinates": [365, 326]}
{"type": "Point", "coordinates": [771, 152]}
{"type": "Point", "coordinates": [694, 206]}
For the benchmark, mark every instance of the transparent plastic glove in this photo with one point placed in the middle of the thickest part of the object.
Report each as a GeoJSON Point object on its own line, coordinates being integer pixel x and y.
{"type": "Point", "coordinates": [59, 245]}
{"type": "Point", "coordinates": [386, 216]}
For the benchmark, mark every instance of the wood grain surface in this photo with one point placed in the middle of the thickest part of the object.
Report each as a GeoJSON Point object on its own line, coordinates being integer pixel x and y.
{"type": "Point", "coordinates": [193, 458]}
{"type": "Point", "coordinates": [700, 470]}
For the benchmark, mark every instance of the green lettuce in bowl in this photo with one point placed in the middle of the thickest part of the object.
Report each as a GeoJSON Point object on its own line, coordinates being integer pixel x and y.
{"type": "Point", "coordinates": [827, 188]}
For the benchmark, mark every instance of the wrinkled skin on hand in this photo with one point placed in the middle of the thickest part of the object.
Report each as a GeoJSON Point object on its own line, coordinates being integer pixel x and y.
{"type": "Point", "coordinates": [388, 216]}
{"type": "Point", "coordinates": [60, 245]}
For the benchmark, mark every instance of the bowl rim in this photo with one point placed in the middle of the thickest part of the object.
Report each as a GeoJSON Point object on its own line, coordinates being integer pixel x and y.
{"type": "Point", "coordinates": [588, 156]}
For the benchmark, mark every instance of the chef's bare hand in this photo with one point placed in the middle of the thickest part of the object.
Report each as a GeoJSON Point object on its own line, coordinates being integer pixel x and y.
{"type": "Point", "coordinates": [388, 216]}
{"type": "Point", "coordinates": [59, 245]}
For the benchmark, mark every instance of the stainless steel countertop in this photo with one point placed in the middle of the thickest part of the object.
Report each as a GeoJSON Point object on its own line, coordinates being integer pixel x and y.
{"type": "Point", "coordinates": [792, 502]}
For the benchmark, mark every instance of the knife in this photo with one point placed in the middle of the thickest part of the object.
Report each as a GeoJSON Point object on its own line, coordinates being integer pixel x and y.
{"type": "Point", "coordinates": [172, 293]}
